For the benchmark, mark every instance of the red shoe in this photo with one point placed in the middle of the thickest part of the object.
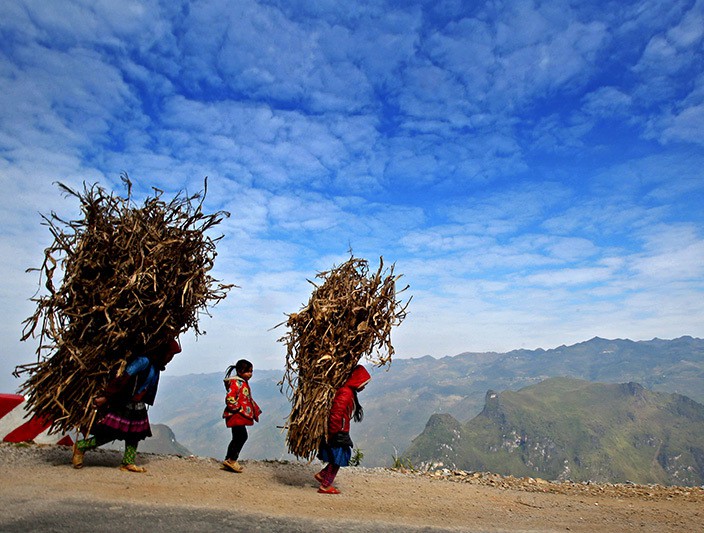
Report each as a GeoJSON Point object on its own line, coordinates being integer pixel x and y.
{"type": "Point", "coordinates": [328, 490]}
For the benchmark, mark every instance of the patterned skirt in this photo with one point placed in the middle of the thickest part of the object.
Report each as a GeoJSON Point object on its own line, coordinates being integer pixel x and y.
{"type": "Point", "coordinates": [129, 422]}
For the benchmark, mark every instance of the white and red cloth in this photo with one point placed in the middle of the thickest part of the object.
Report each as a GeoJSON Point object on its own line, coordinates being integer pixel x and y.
{"type": "Point", "coordinates": [17, 424]}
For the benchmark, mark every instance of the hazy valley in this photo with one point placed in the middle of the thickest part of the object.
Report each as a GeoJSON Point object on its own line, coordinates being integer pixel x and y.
{"type": "Point", "coordinates": [400, 400]}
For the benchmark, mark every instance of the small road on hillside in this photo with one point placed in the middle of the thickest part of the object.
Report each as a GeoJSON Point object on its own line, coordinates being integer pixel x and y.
{"type": "Point", "coordinates": [40, 491]}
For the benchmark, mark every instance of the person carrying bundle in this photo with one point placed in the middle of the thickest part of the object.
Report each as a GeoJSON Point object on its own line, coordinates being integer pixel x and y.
{"type": "Point", "coordinates": [337, 450]}
{"type": "Point", "coordinates": [122, 406]}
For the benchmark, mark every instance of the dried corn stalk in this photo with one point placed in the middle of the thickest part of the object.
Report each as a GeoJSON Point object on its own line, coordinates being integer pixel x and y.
{"type": "Point", "coordinates": [349, 316]}
{"type": "Point", "coordinates": [132, 278]}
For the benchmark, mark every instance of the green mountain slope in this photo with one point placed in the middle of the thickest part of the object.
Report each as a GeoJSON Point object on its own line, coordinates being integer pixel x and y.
{"type": "Point", "coordinates": [564, 428]}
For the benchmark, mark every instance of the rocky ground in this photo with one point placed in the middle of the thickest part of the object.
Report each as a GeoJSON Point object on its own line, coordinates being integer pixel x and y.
{"type": "Point", "coordinates": [40, 491]}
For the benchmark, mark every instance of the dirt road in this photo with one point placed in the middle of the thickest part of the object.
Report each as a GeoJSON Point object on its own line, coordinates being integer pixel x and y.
{"type": "Point", "coordinates": [40, 491]}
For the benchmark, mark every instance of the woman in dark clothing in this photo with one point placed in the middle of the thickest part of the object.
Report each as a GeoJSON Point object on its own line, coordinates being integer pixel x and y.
{"type": "Point", "coordinates": [123, 407]}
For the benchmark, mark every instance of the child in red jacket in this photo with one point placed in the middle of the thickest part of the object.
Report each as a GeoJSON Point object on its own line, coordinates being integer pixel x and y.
{"type": "Point", "coordinates": [240, 411]}
{"type": "Point", "coordinates": [337, 451]}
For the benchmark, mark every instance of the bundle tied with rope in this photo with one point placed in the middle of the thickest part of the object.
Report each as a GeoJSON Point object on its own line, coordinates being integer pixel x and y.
{"type": "Point", "coordinates": [134, 277]}
{"type": "Point", "coordinates": [349, 316]}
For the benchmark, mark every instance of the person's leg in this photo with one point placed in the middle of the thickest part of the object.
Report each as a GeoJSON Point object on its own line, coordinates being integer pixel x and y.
{"type": "Point", "coordinates": [80, 447]}
{"type": "Point", "coordinates": [91, 443]}
{"type": "Point", "coordinates": [239, 437]}
{"type": "Point", "coordinates": [130, 454]}
{"type": "Point", "coordinates": [326, 477]}
{"type": "Point", "coordinates": [129, 457]}
{"type": "Point", "coordinates": [327, 474]}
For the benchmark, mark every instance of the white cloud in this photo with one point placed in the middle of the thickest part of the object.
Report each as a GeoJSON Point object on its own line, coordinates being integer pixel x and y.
{"type": "Point", "coordinates": [570, 276]}
{"type": "Point", "coordinates": [671, 55]}
{"type": "Point", "coordinates": [606, 101]}
{"type": "Point", "coordinates": [672, 253]}
{"type": "Point", "coordinates": [684, 125]}
{"type": "Point", "coordinates": [690, 30]}
{"type": "Point", "coordinates": [660, 56]}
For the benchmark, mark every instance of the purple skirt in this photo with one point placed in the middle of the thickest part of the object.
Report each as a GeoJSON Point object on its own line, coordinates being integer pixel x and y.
{"type": "Point", "coordinates": [129, 422]}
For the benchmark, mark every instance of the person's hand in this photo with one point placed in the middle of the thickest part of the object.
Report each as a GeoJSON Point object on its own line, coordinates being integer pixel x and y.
{"type": "Point", "coordinates": [99, 401]}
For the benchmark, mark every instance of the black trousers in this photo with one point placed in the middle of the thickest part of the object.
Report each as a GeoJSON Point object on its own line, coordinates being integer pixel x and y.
{"type": "Point", "coordinates": [239, 437]}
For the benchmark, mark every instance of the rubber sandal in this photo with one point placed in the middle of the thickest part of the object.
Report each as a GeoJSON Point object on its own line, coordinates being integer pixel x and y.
{"type": "Point", "coordinates": [133, 468]}
{"type": "Point", "coordinates": [328, 490]}
{"type": "Point", "coordinates": [232, 466]}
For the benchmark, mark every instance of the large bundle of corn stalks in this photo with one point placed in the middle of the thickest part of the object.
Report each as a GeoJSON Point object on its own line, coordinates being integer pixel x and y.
{"type": "Point", "coordinates": [133, 277]}
{"type": "Point", "coordinates": [349, 316]}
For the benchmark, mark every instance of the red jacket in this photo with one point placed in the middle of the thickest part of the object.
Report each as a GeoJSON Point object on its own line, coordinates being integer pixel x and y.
{"type": "Point", "coordinates": [240, 407]}
{"type": "Point", "coordinates": [343, 404]}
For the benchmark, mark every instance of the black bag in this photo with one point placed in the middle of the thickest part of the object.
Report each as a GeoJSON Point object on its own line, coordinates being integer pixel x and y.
{"type": "Point", "coordinates": [340, 439]}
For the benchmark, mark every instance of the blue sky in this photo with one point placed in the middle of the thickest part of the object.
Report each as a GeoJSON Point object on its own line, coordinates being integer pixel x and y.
{"type": "Point", "coordinates": [534, 169]}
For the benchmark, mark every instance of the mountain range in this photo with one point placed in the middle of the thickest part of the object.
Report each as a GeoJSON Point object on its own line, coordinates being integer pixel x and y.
{"type": "Point", "coordinates": [400, 399]}
{"type": "Point", "coordinates": [570, 429]}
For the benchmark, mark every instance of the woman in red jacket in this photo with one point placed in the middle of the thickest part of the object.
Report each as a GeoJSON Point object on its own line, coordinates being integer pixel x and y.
{"type": "Point", "coordinates": [240, 411]}
{"type": "Point", "coordinates": [338, 448]}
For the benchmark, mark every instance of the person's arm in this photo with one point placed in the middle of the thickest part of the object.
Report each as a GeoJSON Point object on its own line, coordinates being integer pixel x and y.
{"type": "Point", "coordinates": [257, 410]}
{"type": "Point", "coordinates": [115, 385]}
{"type": "Point", "coordinates": [232, 399]}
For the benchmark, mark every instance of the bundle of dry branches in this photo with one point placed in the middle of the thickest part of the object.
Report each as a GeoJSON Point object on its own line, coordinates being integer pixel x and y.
{"type": "Point", "coordinates": [133, 277]}
{"type": "Point", "coordinates": [349, 316]}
